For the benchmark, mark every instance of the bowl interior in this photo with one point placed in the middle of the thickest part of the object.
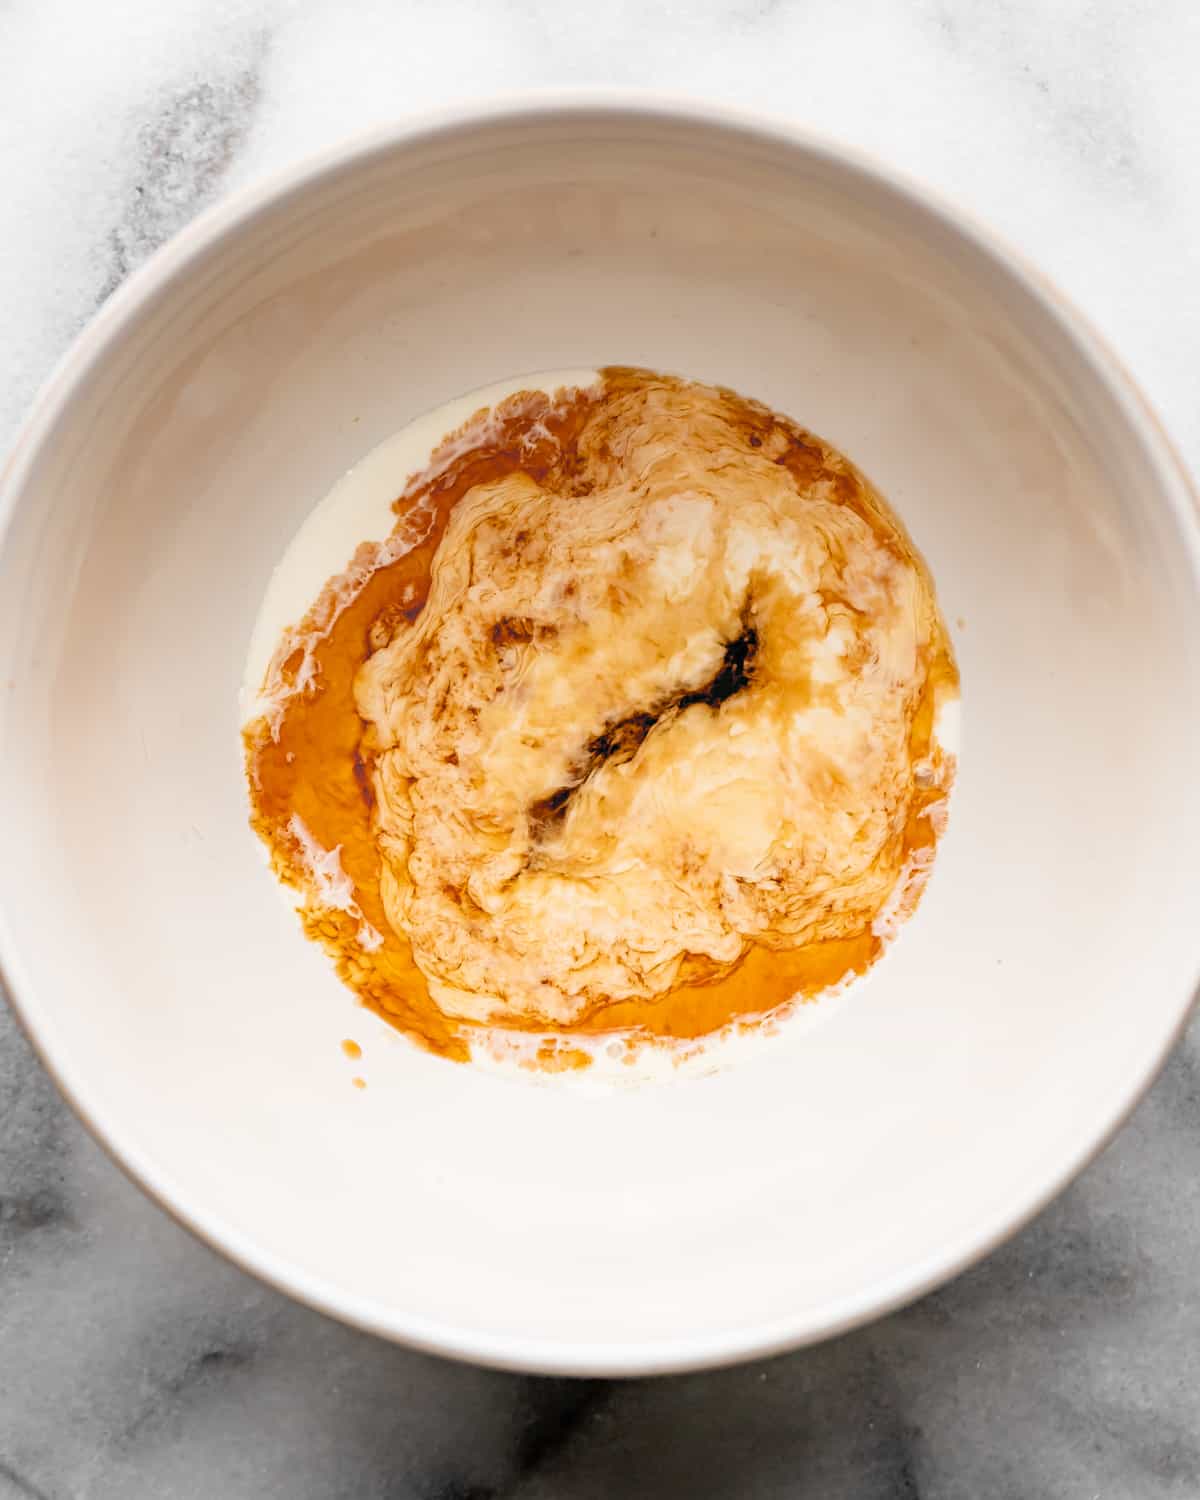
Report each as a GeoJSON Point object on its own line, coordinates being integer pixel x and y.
{"type": "Point", "coordinates": [845, 1167]}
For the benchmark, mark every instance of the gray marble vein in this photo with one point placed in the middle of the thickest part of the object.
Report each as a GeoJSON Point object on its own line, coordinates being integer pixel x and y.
{"type": "Point", "coordinates": [182, 155]}
{"type": "Point", "coordinates": [134, 1363]}
{"type": "Point", "coordinates": [137, 1364]}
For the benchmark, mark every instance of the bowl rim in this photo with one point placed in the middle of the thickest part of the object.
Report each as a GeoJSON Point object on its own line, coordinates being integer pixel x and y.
{"type": "Point", "coordinates": [241, 209]}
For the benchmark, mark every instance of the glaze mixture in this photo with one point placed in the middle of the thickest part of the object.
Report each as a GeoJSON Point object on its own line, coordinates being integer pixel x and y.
{"type": "Point", "coordinates": [629, 726]}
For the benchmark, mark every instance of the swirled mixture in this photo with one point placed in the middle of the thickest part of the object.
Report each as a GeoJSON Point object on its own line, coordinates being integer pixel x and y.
{"type": "Point", "coordinates": [627, 727]}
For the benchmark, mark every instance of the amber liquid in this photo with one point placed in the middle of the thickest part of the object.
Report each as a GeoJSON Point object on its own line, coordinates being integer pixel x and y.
{"type": "Point", "coordinates": [314, 763]}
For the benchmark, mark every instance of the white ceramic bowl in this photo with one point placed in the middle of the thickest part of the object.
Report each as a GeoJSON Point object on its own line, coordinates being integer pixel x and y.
{"type": "Point", "coordinates": [848, 1168]}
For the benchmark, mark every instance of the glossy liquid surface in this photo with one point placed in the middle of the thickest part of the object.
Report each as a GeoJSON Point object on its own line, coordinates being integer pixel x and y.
{"type": "Point", "coordinates": [311, 772]}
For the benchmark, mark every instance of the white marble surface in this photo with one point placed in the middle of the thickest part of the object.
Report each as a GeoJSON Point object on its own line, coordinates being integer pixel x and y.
{"type": "Point", "coordinates": [134, 1363]}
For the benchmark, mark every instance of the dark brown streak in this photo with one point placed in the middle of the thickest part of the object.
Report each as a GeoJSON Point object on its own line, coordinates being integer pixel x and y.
{"type": "Point", "coordinates": [363, 777]}
{"type": "Point", "coordinates": [733, 674]}
{"type": "Point", "coordinates": [621, 741]}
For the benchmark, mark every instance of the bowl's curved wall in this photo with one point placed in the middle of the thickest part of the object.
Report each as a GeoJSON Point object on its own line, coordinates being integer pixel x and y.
{"type": "Point", "coordinates": [1031, 998]}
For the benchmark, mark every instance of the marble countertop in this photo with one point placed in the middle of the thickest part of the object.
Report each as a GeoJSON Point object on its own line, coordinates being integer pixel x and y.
{"type": "Point", "coordinates": [135, 1363]}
